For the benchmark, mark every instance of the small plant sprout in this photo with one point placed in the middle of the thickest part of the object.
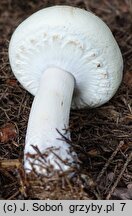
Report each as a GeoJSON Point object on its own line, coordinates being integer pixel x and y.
{"type": "Point", "coordinates": [67, 58]}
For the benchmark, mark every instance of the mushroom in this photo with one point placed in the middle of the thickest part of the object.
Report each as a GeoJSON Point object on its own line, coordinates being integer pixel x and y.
{"type": "Point", "coordinates": [66, 57]}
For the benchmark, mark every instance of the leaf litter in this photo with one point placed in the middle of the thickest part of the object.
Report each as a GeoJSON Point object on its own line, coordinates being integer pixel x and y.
{"type": "Point", "coordinates": [101, 137]}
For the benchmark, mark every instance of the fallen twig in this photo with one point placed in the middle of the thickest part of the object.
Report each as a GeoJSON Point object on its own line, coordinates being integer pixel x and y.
{"type": "Point", "coordinates": [119, 177]}
{"type": "Point", "coordinates": [109, 161]}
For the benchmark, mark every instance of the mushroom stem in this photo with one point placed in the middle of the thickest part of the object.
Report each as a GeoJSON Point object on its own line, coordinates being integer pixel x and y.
{"type": "Point", "coordinates": [49, 113]}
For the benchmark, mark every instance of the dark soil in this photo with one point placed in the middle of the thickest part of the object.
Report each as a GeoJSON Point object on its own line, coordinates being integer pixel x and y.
{"type": "Point", "coordinates": [102, 137]}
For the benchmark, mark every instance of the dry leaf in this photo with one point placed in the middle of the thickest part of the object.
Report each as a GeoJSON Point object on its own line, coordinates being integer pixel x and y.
{"type": "Point", "coordinates": [8, 164]}
{"type": "Point", "coordinates": [93, 152]}
{"type": "Point", "coordinates": [7, 132]}
{"type": "Point", "coordinates": [11, 82]}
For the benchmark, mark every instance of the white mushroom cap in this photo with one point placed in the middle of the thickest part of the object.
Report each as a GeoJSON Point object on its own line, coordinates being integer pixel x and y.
{"type": "Point", "coordinates": [73, 40]}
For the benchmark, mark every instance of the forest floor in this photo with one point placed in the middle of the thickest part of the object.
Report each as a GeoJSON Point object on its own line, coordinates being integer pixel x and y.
{"type": "Point", "coordinates": [101, 137]}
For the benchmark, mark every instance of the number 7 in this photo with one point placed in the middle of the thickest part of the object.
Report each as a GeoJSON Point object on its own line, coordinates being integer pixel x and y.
{"type": "Point", "coordinates": [123, 205]}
